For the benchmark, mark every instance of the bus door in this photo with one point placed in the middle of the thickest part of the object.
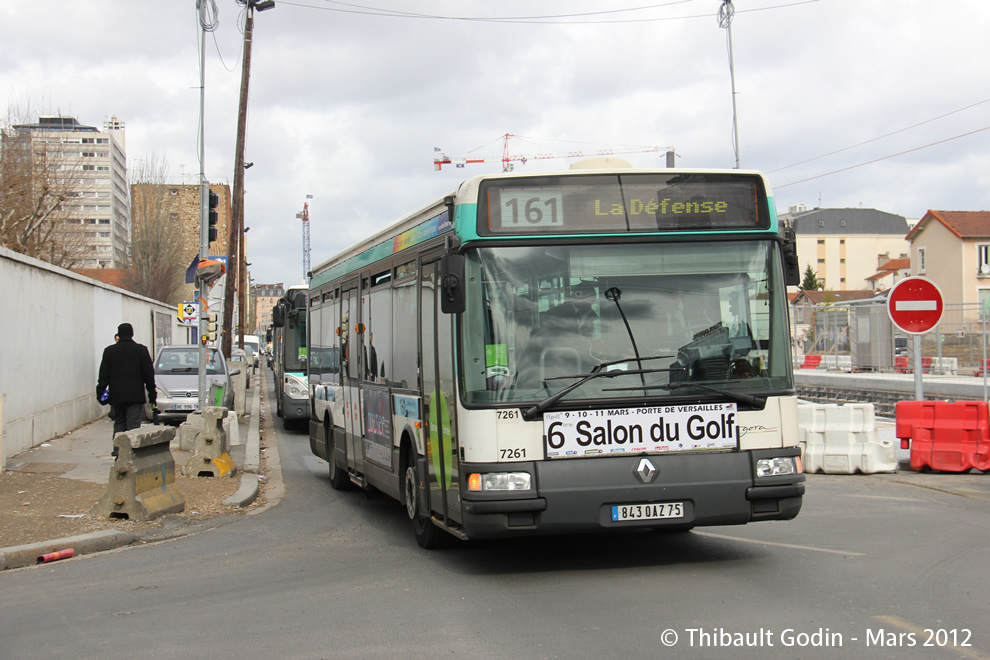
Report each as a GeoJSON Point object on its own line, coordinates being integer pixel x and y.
{"type": "Point", "coordinates": [439, 397]}
{"type": "Point", "coordinates": [350, 347]}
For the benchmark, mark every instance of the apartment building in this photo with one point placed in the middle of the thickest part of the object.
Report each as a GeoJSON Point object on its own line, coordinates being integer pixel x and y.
{"type": "Point", "coordinates": [845, 247]}
{"type": "Point", "coordinates": [265, 297]}
{"type": "Point", "coordinates": [94, 167]}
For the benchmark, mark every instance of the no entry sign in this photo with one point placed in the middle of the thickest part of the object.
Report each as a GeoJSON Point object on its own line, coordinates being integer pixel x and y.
{"type": "Point", "coordinates": [915, 305]}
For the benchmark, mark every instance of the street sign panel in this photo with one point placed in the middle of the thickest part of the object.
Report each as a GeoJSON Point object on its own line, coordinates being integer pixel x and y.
{"type": "Point", "coordinates": [915, 305]}
{"type": "Point", "coordinates": [189, 312]}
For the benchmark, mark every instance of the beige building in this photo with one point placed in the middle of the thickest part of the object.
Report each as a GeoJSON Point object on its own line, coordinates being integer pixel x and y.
{"type": "Point", "coordinates": [846, 247]}
{"type": "Point", "coordinates": [952, 249]}
{"type": "Point", "coordinates": [265, 297]}
{"type": "Point", "coordinates": [96, 161]}
{"type": "Point", "coordinates": [183, 205]}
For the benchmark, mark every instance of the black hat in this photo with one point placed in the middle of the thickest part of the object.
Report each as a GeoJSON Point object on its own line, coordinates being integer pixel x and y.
{"type": "Point", "coordinates": [125, 331]}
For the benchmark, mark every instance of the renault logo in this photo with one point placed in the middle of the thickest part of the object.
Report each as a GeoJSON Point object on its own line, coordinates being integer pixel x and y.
{"type": "Point", "coordinates": [645, 471]}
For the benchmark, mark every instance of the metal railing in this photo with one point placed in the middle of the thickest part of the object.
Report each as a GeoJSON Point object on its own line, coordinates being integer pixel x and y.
{"type": "Point", "coordinates": [862, 336]}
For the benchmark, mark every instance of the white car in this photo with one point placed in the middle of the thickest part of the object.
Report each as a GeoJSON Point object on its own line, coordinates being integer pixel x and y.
{"type": "Point", "coordinates": [177, 381]}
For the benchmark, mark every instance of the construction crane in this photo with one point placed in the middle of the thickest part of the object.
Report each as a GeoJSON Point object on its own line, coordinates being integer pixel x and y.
{"type": "Point", "coordinates": [440, 159]}
{"type": "Point", "coordinates": [304, 216]}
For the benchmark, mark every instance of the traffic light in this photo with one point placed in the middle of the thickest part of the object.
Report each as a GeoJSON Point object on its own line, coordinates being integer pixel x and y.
{"type": "Point", "coordinates": [214, 215]}
{"type": "Point", "coordinates": [211, 327]}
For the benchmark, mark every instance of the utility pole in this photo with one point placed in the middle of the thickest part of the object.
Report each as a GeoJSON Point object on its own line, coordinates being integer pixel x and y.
{"type": "Point", "coordinates": [725, 13]}
{"type": "Point", "coordinates": [202, 287]}
{"type": "Point", "coordinates": [237, 203]}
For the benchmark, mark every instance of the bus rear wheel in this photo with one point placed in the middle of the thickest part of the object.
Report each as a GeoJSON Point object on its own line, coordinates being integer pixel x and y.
{"type": "Point", "coordinates": [428, 535]}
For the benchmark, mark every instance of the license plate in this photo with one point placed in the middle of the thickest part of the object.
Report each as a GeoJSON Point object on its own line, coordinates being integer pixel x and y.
{"type": "Point", "coordinates": [651, 511]}
{"type": "Point", "coordinates": [184, 406]}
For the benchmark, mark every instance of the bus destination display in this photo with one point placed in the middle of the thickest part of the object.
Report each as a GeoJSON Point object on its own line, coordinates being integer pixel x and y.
{"type": "Point", "coordinates": [627, 203]}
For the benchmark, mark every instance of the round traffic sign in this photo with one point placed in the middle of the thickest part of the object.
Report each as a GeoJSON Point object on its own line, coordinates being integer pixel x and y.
{"type": "Point", "coordinates": [915, 305]}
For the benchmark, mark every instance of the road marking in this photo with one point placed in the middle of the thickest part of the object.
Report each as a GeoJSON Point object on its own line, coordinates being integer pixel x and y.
{"type": "Point", "coordinates": [781, 545]}
{"type": "Point", "coordinates": [915, 305]}
{"type": "Point", "coordinates": [898, 622]}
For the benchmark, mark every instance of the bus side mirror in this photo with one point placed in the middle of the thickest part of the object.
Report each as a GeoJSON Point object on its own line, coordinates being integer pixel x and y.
{"type": "Point", "coordinates": [452, 298]}
{"type": "Point", "coordinates": [278, 316]}
{"type": "Point", "coordinates": [792, 270]}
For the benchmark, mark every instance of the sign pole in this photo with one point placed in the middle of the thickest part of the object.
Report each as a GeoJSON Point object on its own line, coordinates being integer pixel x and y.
{"type": "Point", "coordinates": [919, 393]}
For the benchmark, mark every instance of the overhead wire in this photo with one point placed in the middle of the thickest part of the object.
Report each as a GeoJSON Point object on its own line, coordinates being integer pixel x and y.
{"type": "Point", "coordinates": [880, 137]}
{"type": "Point", "coordinates": [877, 160]}
{"type": "Point", "coordinates": [535, 20]}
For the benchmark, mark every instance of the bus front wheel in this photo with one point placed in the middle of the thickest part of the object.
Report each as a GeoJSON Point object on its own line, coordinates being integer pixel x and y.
{"type": "Point", "coordinates": [338, 476]}
{"type": "Point", "coordinates": [428, 535]}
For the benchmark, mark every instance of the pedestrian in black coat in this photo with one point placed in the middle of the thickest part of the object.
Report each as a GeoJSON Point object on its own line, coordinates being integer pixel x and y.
{"type": "Point", "coordinates": [127, 370]}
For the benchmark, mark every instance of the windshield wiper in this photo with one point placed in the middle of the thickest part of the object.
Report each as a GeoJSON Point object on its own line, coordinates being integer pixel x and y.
{"type": "Point", "coordinates": [600, 371]}
{"type": "Point", "coordinates": [739, 397]}
{"type": "Point", "coordinates": [613, 294]}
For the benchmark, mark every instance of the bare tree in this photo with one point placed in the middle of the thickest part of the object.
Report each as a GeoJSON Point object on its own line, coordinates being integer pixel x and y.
{"type": "Point", "coordinates": [157, 266]}
{"type": "Point", "coordinates": [36, 187]}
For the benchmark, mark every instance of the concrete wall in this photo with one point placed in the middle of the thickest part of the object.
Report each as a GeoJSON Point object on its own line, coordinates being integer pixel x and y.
{"type": "Point", "coordinates": [54, 326]}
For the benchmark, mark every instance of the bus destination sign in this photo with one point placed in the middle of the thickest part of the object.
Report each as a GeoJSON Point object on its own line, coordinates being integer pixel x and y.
{"type": "Point", "coordinates": [625, 203]}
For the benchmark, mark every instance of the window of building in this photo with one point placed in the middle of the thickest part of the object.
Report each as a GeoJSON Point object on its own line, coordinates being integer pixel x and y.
{"type": "Point", "coordinates": [821, 223]}
{"type": "Point", "coordinates": [921, 261]}
{"type": "Point", "coordinates": [821, 241]}
{"type": "Point", "coordinates": [983, 260]}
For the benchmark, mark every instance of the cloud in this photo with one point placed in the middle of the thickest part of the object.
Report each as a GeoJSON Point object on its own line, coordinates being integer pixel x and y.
{"type": "Point", "coordinates": [348, 107]}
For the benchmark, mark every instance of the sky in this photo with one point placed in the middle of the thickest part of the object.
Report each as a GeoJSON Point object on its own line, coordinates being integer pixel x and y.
{"type": "Point", "coordinates": [842, 103]}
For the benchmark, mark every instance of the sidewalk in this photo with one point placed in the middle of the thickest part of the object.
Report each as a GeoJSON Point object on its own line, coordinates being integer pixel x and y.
{"type": "Point", "coordinates": [32, 490]}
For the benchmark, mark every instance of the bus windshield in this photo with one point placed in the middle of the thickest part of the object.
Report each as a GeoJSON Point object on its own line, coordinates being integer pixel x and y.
{"type": "Point", "coordinates": [658, 319]}
{"type": "Point", "coordinates": [295, 342]}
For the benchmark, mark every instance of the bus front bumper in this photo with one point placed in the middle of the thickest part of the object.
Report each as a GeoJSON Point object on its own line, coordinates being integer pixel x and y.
{"type": "Point", "coordinates": [580, 495]}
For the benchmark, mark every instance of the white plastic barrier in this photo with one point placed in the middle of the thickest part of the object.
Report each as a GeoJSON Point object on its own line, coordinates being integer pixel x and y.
{"type": "Point", "coordinates": [837, 362]}
{"type": "Point", "coordinates": [945, 366]}
{"type": "Point", "coordinates": [843, 440]}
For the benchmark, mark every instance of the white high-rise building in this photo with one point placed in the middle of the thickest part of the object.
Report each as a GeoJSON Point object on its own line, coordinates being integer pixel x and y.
{"type": "Point", "coordinates": [99, 208]}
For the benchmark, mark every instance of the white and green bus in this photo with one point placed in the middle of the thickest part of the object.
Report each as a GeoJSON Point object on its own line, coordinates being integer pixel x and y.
{"type": "Point", "coordinates": [591, 350]}
{"type": "Point", "coordinates": [290, 356]}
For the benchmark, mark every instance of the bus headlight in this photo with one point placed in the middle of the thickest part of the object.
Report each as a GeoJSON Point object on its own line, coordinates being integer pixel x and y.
{"type": "Point", "coordinates": [775, 467]}
{"type": "Point", "coordinates": [494, 481]}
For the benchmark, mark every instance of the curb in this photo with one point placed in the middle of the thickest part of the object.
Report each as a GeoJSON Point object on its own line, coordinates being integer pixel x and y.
{"type": "Point", "coordinates": [248, 491]}
{"type": "Point", "coordinates": [24, 555]}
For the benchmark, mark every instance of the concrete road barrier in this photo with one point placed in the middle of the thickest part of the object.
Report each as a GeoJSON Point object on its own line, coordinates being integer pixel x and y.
{"type": "Point", "coordinates": [190, 429]}
{"type": "Point", "coordinates": [142, 485]}
{"type": "Point", "coordinates": [211, 458]}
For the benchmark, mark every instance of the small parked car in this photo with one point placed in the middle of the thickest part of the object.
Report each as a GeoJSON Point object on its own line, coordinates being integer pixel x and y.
{"type": "Point", "coordinates": [177, 380]}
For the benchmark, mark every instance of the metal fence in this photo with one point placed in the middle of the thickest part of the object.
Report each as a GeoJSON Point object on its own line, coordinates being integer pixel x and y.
{"type": "Point", "coordinates": [861, 337]}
